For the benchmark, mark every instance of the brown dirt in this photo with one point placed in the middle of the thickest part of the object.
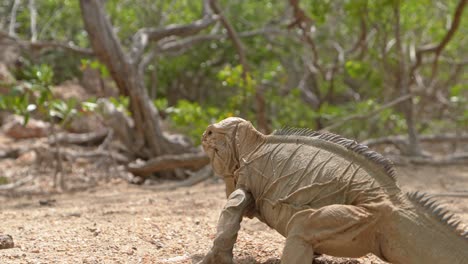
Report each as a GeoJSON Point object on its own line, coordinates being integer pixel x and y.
{"type": "Point", "coordinates": [115, 222]}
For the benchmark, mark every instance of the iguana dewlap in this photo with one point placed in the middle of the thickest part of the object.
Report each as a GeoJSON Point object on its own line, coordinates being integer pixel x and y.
{"type": "Point", "coordinates": [325, 194]}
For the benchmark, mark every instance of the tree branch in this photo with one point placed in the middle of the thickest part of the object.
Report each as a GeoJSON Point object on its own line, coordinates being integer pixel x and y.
{"type": "Point", "coordinates": [232, 35]}
{"type": "Point", "coordinates": [143, 36]}
{"type": "Point", "coordinates": [371, 113]}
{"type": "Point", "coordinates": [14, 10]}
{"type": "Point", "coordinates": [259, 98]}
{"type": "Point", "coordinates": [304, 23]}
{"type": "Point", "coordinates": [176, 47]}
{"type": "Point", "coordinates": [45, 45]}
{"type": "Point", "coordinates": [33, 14]}
{"type": "Point", "coordinates": [437, 48]}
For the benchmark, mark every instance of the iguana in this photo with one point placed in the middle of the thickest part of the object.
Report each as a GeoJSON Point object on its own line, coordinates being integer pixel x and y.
{"type": "Point", "coordinates": [325, 194]}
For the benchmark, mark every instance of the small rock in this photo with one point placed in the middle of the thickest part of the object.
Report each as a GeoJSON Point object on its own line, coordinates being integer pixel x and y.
{"type": "Point", "coordinates": [26, 158]}
{"type": "Point", "coordinates": [75, 214]}
{"type": "Point", "coordinates": [96, 231]}
{"type": "Point", "coordinates": [6, 241]}
{"type": "Point", "coordinates": [129, 251]}
{"type": "Point", "coordinates": [47, 202]}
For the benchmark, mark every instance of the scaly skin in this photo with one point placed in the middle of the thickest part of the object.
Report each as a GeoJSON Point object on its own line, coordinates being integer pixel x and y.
{"type": "Point", "coordinates": [325, 194]}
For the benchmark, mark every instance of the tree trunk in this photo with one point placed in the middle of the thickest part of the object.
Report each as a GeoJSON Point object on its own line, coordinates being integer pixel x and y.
{"type": "Point", "coordinates": [149, 139]}
{"type": "Point", "coordinates": [402, 84]}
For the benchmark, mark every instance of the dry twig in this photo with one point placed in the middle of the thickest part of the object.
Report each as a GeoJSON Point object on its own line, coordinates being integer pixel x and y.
{"type": "Point", "coordinates": [14, 185]}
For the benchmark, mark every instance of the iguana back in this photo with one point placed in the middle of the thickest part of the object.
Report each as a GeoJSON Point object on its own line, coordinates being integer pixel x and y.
{"type": "Point", "coordinates": [295, 170]}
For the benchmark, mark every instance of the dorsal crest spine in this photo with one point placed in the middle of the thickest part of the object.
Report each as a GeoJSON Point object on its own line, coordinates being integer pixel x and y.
{"type": "Point", "coordinates": [431, 205]}
{"type": "Point", "coordinates": [352, 145]}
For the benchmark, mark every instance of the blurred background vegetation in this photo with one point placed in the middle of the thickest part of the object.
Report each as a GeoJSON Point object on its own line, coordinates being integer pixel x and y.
{"type": "Point", "coordinates": [333, 60]}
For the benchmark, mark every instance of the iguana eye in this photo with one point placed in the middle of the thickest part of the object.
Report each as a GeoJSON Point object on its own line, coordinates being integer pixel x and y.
{"type": "Point", "coordinates": [210, 132]}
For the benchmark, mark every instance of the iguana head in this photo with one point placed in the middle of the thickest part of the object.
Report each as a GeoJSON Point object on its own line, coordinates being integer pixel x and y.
{"type": "Point", "coordinates": [225, 141]}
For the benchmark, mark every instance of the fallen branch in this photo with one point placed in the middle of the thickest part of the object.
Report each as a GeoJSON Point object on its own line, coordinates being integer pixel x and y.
{"type": "Point", "coordinates": [92, 138]}
{"type": "Point", "coordinates": [14, 185]}
{"type": "Point", "coordinates": [169, 162]}
{"type": "Point", "coordinates": [71, 155]}
{"type": "Point", "coordinates": [194, 178]}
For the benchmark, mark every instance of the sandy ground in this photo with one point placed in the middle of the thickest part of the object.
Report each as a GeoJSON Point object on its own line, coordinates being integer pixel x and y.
{"type": "Point", "coordinates": [116, 222]}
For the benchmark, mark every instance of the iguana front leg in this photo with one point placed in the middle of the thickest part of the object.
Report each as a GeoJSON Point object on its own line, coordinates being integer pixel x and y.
{"type": "Point", "coordinates": [237, 205]}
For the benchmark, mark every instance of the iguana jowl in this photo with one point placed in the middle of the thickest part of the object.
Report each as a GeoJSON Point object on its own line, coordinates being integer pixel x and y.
{"type": "Point", "coordinates": [325, 194]}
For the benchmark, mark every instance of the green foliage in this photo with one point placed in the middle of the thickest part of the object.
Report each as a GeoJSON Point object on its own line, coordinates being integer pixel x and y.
{"type": "Point", "coordinates": [289, 110]}
{"type": "Point", "coordinates": [459, 102]}
{"type": "Point", "coordinates": [319, 9]}
{"type": "Point", "coordinates": [205, 83]}
{"type": "Point", "coordinates": [41, 74]}
{"type": "Point", "coordinates": [190, 118]}
{"type": "Point", "coordinates": [3, 180]}
{"type": "Point", "coordinates": [356, 69]}
{"type": "Point", "coordinates": [96, 65]}
{"type": "Point", "coordinates": [33, 95]}
{"type": "Point", "coordinates": [121, 103]}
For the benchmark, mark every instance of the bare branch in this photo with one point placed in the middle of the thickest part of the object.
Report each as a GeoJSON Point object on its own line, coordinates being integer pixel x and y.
{"type": "Point", "coordinates": [71, 155]}
{"type": "Point", "coordinates": [45, 27]}
{"type": "Point", "coordinates": [33, 14]}
{"type": "Point", "coordinates": [233, 36]}
{"type": "Point", "coordinates": [177, 47]}
{"type": "Point", "coordinates": [304, 23]}
{"type": "Point", "coordinates": [14, 10]}
{"type": "Point", "coordinates": [259, 98]}
{"type": "Point", "coordinates": [147, 59]}
{"type": "Point", "coordinates": [145, 35]}
{"type": "Point", "coordinates": [437, 48]}
{"type": "Point", "coordinates": [180, 30]}
{"type": "Point", "coordinates": [362, 39]}
{"type": "Point", "coordinates": [371, 113]}
{"type": "Point", "coordinates": [46, 45]}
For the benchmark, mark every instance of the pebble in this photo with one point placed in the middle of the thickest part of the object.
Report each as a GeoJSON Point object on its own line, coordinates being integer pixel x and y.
{"type": "Point", "coordinates": [6, 241]}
